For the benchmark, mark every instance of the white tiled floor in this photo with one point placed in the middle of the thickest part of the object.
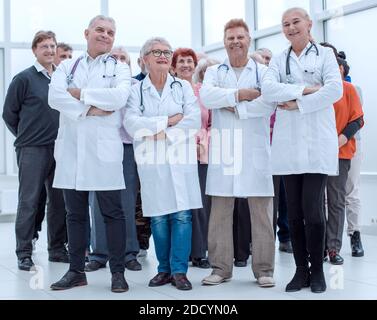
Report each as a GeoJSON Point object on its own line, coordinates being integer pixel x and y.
{"type": "Point", "coordinates": [356, 279]}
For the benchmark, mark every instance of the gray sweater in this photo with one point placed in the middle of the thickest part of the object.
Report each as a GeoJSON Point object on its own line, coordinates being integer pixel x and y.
{"type": "Point", "coordinates": [26, 111]}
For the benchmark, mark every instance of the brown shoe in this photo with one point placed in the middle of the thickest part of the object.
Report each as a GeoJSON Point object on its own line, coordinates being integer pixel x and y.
{"type": "Point", "coordinates": [180, 281]}
{"type": "Point", "coordinates": [160, 279]}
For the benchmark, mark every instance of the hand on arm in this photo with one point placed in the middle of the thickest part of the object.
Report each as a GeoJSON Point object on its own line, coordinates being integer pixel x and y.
{"type": "Point", "coordinates": [174, 120]}
{"type": "Point", "coordinates": [76, 93]}
{"type": "Point", "coordinates": [289, 105]}
{"type": "Point", "coordinates": [342, 140]}
{"type": "Point", "coordinates": [311, 90]}
{"type": "Point", "coordinates": [95, 112]}
{"type": "Point", "coordinates": [248, 94]}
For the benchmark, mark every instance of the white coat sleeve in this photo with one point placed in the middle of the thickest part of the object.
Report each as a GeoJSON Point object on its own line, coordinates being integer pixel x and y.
{"type": "Point", "coordinates": [60, 99]}
{"type": "Point", "coordinates": [272, 88]}
{"type": "Point", "coordinates": [258, 107]}
{"type": "Point", "coordinates": [331, 91]}
{"type": "Point", "coordinates": [189, 126]}
{"type": "Point", "coordinates": [214, 97]}
{"type": "Point", "coordinates": [135, 123]}
{"type": "Point", "coordinates": [110, 99]}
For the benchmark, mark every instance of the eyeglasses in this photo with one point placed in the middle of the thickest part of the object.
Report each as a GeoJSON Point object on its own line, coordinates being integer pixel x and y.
{"type": "Point", "coordinates": [158, 53]}
{"type": "Point", "coordinates": [46, 47]}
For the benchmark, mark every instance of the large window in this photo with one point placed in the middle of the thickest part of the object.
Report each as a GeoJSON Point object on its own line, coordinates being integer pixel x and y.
{"type": "Point", "coordinates": [276, 43]}
{"type": "Point", "coordinates": [347, 33]}
{"type": "Point", "coordinates": [331, 4]}
{"type": "Point", "coordinates": [2, 125]}
{"type": "Point", "coordinates": [1, 20]}
{"type": "Point", "coordinates": [137, 21]}
{"type": "Point", "coordinates": [67, 19]}
{"type": "Point", "coordinates": [269, 12]}
{"type": "Point", "coordinates": [216, 14]}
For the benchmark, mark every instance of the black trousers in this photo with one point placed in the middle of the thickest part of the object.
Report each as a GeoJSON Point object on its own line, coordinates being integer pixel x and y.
{"type": "Point", "coordinates": [36, 167]}
{"type": "Point", "coordinates": [280, 217]}
{"type": "Point", "coordinates": [41, 212]}
{"type": "Point", "coordinates": [241, 229]}
{"type": "Point", "coordinates": [306, 217]}
{"type": "Point", "coordinates": [110, 203]}
{"type": "Point", "coordinates": [200, 218]}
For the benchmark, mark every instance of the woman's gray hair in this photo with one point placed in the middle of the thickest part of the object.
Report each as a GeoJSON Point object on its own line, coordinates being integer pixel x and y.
{"type": "Point", "coordinates": [148, 45]}
{"type": "Point", "coordinates": [201, 68]}
{"type": "Point", "coordinates": [103, 18]}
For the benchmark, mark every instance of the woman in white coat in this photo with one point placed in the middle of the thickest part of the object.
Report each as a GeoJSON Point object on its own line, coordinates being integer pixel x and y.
{"type": "Point", "coordinates": [304, 80]}
{"type": "Point", "coordinates": [162, 115]}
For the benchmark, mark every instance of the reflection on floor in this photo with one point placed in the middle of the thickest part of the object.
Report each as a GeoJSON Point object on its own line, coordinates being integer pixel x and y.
{"type": "Point", "coordinates": [356, 279]}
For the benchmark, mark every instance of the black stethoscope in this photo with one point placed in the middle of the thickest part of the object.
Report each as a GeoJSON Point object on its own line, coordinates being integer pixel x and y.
{"type": "Point", "coordinates": [175, 86]}
{"type": "Point", "coordinates": [106, 74]}
{"type": "Point", "coordinates": [223, 69]}
{"type": "Point", "coordinates": [288, 74]}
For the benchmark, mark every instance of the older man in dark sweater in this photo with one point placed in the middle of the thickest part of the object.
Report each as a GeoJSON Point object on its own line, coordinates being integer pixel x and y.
{"type": "Point", "coordinates": [35, 126]}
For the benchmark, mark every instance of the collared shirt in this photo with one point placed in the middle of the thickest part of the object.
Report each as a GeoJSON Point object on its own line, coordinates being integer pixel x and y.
{"type": "Point", "coordinates": [42, 69]}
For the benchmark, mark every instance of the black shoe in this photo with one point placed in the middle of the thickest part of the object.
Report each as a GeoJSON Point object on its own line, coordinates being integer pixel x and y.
{"type": "Point", "coordinates": [202, 263]}
{"type": "Point", "coordinates": [300, 280]}
{"type": "Point", "coordinates": [240, 263]}
{"type": "Point", "coordinates": [335, 258]}
{"type": "Point", "coordinates": [180, 281]}
{"type": "Point", "coordinates": [133, 265]}
{"type": "Point", "coordinates": [94, 266]}
{"type": "Point", "coordinates": [26, 264]}
{"type": "Point", "coordinates": [160, 279]}
{"type": "Point", "coordinates": [70, 280]}
{"type": "Point", "coordinates": [356, 245]}
{"type": "Point", "coordinates": [62, 256]}
{"type": "Point", "coordinates": [118, 283]}
{"type": "Point", "coordinates": [317, 281]}
{"type": "Point", "coordinates": [286, 247]}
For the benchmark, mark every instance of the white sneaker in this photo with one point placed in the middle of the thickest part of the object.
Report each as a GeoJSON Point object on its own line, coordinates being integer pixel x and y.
{"type": "Point", "coordinates": [266, 282]}
{"type": "Point", "coordinates": [214, 279]}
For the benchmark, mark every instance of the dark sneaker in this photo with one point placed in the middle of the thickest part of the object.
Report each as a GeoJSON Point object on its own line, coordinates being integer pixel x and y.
{"type": "Point", "coordinates": [202, 263]}
{"type": "Point", "coordinates": [70, 280]}
{"type": "Point", "coordinates": [94, 266]}
{"type": "Point", "coordinates": [180, 281]}
{"type": "Point", "coordinates": [118, 283]}
{"type": "Point", "coordinates": [133, 265]}
{"type": "Point", "coordinates": [335, 258]}
{"type": "Point", "coordinates": [356, 245]}
{"type": "Point", "coordinates": [26, 264]}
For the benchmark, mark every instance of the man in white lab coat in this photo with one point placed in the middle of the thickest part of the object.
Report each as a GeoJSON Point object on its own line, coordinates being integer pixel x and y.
{"type": "Point", "coordinates": [88, 93]}
{"type": "Point", "coordinates": [239, 165]}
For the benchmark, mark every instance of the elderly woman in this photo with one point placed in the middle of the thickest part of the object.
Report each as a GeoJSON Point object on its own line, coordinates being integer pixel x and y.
{"type": "Point", "coordinates": [183, 65]}
{"type": "Point", "coordinates": [162, 115]}
{"type": "Point", "coordinates": [305, 81]}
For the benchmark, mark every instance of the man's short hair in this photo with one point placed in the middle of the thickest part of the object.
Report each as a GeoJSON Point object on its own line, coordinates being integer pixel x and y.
{"type": "Point", "coordinates": [235, 23]}
{"type": "Point", "coordinates": [103, 18]}
{"type": "Point", "coordinates": [42, 36]}
{"type": "Point", "coordinates": [64, 46]}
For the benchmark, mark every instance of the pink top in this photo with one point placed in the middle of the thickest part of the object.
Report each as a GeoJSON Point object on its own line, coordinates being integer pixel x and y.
{"type": "Point", "coordinates": [203, 136]}
{"type": "Point", "coordinates": [272, 124]}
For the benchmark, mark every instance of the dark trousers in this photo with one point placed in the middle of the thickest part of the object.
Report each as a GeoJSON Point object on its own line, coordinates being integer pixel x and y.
{"type": "Point", "coordinates": [36, 171]}
{"type": "Point", "coordinates": [336, 204]}
{"type": "Point", "coordinates": [41, 212]}
{"type": "Point", "coordinates": [306, 217]}
{"type": "Point", "coordinates": [200, 218]}
{"type": "Point", "coordinates": [241, 229]}
{"type": "Point", "coordinates": [280, 210]}
{"type": "Point", "coordinates": [110, 203]}
{"type": "Point", "coordinates": [143, 224]}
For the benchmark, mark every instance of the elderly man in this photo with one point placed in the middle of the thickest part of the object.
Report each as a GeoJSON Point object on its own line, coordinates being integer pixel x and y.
{"type": "Point", "coordinates": [35, 126]}
{"type": "Point", "coordinates": [239, 165]}
{"type": "Point", "coordinates": [89, 94]}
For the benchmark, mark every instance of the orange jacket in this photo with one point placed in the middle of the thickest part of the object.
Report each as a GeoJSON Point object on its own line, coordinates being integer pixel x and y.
{"type": "Point", "coordinates": [347, 109]}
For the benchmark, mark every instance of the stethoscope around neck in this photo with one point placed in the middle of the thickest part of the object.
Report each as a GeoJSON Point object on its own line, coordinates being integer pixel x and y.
{"type": "Point", "coordinates": [223, 70]}
{"type": "Point", "coordinates": [288, 66]}
{"type": "Point", "coordinates": [174, 86]}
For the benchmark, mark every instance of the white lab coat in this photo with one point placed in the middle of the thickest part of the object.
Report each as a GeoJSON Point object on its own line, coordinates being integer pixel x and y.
{"type": "Point", "coordinates": [167, 186]}
{"type": "Point", "coordinates": [239, 158]}
{"type": "Point", "coordinates": [305, 140]}
{"type": "Point", "coordinates": [88, 149]}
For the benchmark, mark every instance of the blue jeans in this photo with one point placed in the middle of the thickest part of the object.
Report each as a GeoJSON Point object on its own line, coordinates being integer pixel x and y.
{"type": "Point", "coordinates": [98, 233]}
{"type": "Point", "coordinates": [172, 241]}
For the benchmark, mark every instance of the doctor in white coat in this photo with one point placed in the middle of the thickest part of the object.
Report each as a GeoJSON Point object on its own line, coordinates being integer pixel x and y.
{"type": "Point", "coordinates": [163, 116]}
{"type": "Point", "coordinates": [88, 93]}
{"type": "Point", "coordinates": [239, 164]}
{"type": "Point", "coordinates": [305, 82]}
